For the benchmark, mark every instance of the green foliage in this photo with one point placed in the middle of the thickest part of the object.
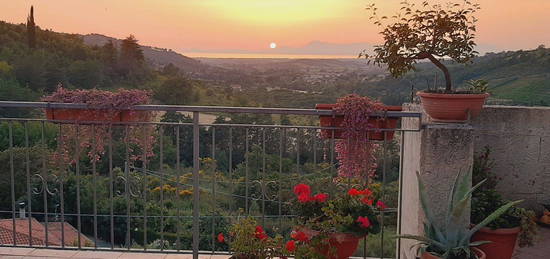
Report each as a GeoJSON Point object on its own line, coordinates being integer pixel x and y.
{"type": "Point", "coordinates": [428, 32]}
{"type": "Point", "coordinates": [246, 241]}
{"type": "Point", "coordinates": [338, 214]}
{"type": "Point", "coordinates": [18, 155]}
{"type": "Point", "coordinates": [11, 90]}
{"type": "Point", "coordinates": [176, 90]}
{"type": "Point", "coordinates": [486, 200]}
{"type": "Point", "coordinates": [478, 86]}
{"type": "Point", "coordinates": [85, 74]}
{"type": "Point", "coordinates": [451, 240]}
{"type": "Point", "coordinates": [5, 69]}
{"type": "Point", "coordinates": [31, 29]}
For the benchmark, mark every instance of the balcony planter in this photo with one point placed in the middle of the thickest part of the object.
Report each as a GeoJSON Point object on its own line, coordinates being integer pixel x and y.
{"type": "Point", "coordinates": [503, 241]}
{"type": "Point", "coordinates": [96, 115]}
{"type": "Point", "coordinates": [452, 107]}
{"type": "Point", "coordinates": [480, 254]}
{"type": "Point", "coordinates": [377, 123]}
{"type": "Point", "coordinates": [104, 106]}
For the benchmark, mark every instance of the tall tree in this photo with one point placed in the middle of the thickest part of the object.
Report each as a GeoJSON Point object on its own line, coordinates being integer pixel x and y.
{"type": "Point", "coordinates": [110, 53]}
{"type": "Point", "coordinates": [31, 29]}
{"type": "Point", "coordinates": [131, 55]}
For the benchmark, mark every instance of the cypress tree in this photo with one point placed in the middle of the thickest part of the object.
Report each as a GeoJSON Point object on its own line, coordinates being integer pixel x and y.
{"type": "Point", "coordinates": [31, 29]}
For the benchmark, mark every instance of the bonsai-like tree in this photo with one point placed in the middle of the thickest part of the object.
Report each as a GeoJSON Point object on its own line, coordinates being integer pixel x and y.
{"type": "Point", "coordinates": [432, 32]}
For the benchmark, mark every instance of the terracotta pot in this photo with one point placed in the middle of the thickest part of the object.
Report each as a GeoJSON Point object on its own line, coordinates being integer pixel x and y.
{"type": "Point", "coordinates": [503, 241]}
{"type": "Point", "coordinates": [345, 245]}
{"type": "Point", "coordinates": [480, 254]}
{"type": "Point", "coordinates": [96, 115]}
{"type": "Point", "coordinates": [452, 107]}
{"type": "Point", "coordinates": [377, 122]}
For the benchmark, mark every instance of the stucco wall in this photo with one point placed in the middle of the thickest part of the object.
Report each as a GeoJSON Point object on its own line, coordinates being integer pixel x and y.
{"type": "Point", "coordinates": [519, 138]}
{"type": "Point", "coordinates": [438, 153]}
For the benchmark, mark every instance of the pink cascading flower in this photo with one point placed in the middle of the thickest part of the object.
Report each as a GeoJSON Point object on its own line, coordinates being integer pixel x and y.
{"type": "Point", "coordinates": [355, 153]}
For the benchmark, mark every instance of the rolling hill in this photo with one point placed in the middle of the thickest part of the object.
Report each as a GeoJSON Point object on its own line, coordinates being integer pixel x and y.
{"type": "Point", "coordinates": [515, 77]}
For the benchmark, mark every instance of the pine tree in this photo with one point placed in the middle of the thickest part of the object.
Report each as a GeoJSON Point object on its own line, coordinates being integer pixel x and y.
{"type": "Point", "coordinates": [31, 29]}
{"type": "Point", "coordinates": [110, 53]}
{"type": "Point", "coordinates": [131, 50]}
{"type": "Point", "coordinates": [131, 56]}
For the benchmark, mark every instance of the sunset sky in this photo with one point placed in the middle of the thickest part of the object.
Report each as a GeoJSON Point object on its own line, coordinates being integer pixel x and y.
{"type": "Point", "coordinates": [210, 27]}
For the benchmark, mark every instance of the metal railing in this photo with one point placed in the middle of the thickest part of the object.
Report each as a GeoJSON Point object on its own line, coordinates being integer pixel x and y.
{"type": "Point", "coordinates": [173, 193]}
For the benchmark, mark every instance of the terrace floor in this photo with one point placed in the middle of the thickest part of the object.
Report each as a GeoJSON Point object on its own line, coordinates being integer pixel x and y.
{"type": "Point", "coordinates": [34, 253]}
{"type": "Point", "coordinates": [540, 251]}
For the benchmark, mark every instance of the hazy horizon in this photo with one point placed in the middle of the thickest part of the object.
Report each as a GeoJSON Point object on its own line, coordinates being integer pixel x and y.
{"type": "Point", "coordinates": [247, 28]}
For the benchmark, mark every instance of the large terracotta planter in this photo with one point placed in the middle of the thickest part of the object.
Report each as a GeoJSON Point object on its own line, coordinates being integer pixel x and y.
{"type": "Point", "coordinates": [480, 254]}
{"type": "Point", "coordinates": [377, 123]}
{"type": "Point", "coordinates": [340, 245]}
{"type": "Point", "coordinates": [96, 115]}
{"type": "Point", "coordinates": [503, 242]}
{"type": "Point", "coordinates": [452, 107]}
{"type": "Point", "coordinates": [345, 245]}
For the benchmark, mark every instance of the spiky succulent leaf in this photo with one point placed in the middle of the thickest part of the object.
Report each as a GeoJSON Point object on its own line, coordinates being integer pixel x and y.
{"type": "Point", "coordinates": [491, 217]}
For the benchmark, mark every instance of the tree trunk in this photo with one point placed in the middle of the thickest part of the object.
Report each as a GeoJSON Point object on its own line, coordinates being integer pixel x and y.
{"type": "Point", "coordinates": [448, 83]}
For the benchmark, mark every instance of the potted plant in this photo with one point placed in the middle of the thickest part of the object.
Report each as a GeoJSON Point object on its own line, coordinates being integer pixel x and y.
{"type": "Point", "coordinates": [432, 32]}
{"type": "Point", "coordinates": [515, 224]}
{"type": "Point", "coordinates": [332, 226]}
{"type": "Point", "coordinates": [355, 150]}
{"type": "Point", "coordinates": [248, 240]}
{"type": "Point", "coordinates": [353, 109]}
{"type": "Point", "coordinates": [103, 106]}
{"type": "Point", "coordinates": [449, 240]}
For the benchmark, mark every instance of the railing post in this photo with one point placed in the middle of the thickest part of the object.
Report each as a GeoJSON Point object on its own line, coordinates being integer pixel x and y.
{"type": "Point", "coordinates": [196, 190]}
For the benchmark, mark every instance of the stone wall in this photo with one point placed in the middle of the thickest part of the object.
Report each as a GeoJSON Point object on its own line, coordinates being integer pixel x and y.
{"type": "Point", "coordinates": [519, 139]}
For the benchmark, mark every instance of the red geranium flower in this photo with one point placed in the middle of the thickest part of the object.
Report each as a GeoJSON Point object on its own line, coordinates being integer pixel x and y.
{"type": "Point", "coordinates": [367, 200]}
{"type": "Point", "coordinates": [291, 246]}
{"type": "Point", "coordinates": [366, 192]}
{"type": "Point", "coordinates": [353, 192]}
{"type": "Point", "coordinates": [302, 189]}
{"type": "Point", "coordinates": [260, 233]}
{"type": "Point", "coordinates": [299, 235]}
{"type": "Point", "coordinates": [303, 198]}
{"type": "Point", "coordinates": [381, 205]}
{"type": "Point", "coordinates": [221, 238]}
{"type": "Point", "coordinates": [321, 197]}
{"type": "Point", "coordinates": [365, 222]}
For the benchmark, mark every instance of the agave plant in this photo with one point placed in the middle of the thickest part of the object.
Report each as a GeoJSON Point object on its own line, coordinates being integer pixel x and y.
{"type": "Point", "coordinates": [450, 240]}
